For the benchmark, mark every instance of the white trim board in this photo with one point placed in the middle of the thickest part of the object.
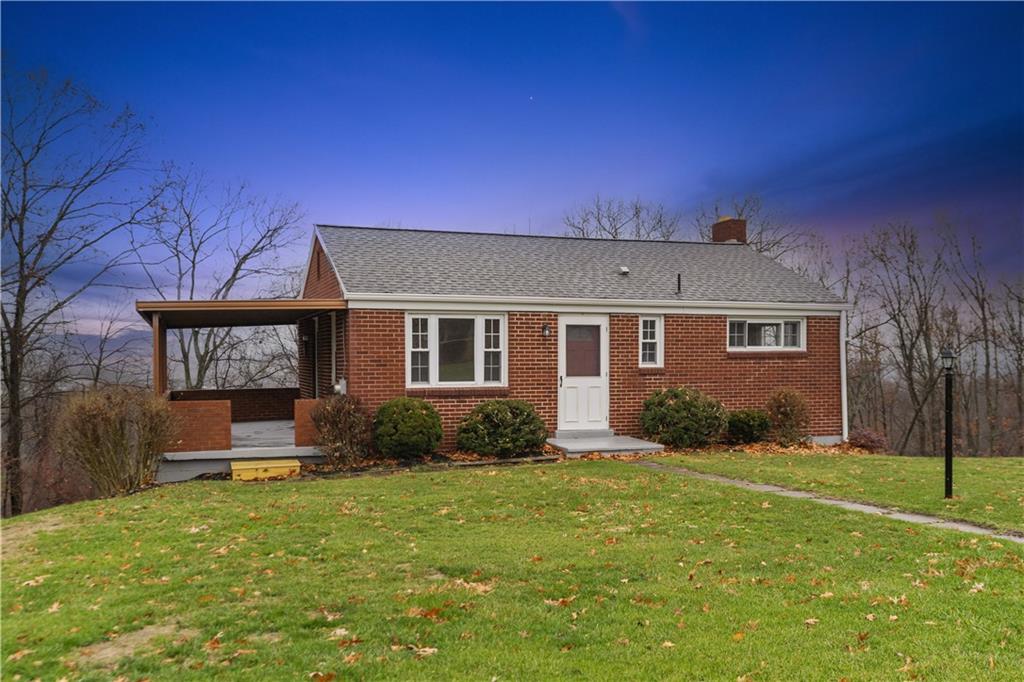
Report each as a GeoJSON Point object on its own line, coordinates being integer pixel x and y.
{"type": "Point", "coordinates": [605, 306]}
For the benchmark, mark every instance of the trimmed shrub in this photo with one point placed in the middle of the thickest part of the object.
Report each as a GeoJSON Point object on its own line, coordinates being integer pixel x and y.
{"type": "Point", "coordinates": [502, 427]}
{"type": "Point", "coordinates": [790, 416]}
{"type": "Point", "coordinates": [682, 417]}
{"type": "Point", "coordinates": [748, 426]}
{"type": "Point", "coordinates": [407, 428]}
{"type": "Point", "coordinates": [117, 435]}
{"type": "Point", "coordinates": [869, 440]}
{"type": "Point", "coordinates": [342, 430]}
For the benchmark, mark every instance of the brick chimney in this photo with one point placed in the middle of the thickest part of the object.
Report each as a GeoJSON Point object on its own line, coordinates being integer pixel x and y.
{"type": "Point", "coordinates": [729, 230]}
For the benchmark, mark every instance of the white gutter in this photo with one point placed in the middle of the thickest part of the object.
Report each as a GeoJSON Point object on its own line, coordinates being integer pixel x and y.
{"type": "Point", "coordinates": [524, 303]}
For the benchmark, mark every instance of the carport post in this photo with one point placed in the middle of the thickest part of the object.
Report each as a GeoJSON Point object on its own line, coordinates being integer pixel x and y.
{"type": "Point", "coordinates": [159, 355]}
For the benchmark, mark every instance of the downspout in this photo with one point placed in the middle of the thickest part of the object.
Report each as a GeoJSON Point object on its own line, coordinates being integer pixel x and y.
{"type": "Point", "coordinates": [842, 372]}
{"type": "Point", "coordinates": [334, 349]}
{"type": "Point", "coordinates": [316, 357]}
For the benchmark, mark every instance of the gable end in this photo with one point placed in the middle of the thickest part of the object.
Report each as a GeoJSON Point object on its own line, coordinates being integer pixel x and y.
{"type": "Point", "coordinates": [321, 280]}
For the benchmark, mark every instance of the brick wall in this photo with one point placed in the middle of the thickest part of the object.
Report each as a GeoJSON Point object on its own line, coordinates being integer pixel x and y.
{"type": "Point", "coordinates": [248, 404]}
{"type": "Point", "coordinates": [321, 282]}
{"type": "Point", "coordinates": [695, 355]}
{"type": "Point", "coordinates": [376, 358]}
{"type": "Point", "coordinates": [202, 425]}
{"type": "Point", "coordinates": [319, 327]}
{"type": "Point", "coordinates": [305, 434]}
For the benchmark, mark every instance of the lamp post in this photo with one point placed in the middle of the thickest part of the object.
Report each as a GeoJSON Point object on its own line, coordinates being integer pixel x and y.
{"type": "Point", "coordinates": [948, 360]}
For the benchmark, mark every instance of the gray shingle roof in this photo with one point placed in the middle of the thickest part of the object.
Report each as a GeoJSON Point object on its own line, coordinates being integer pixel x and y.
{"type": "Point", "coordinates": [424, 262]}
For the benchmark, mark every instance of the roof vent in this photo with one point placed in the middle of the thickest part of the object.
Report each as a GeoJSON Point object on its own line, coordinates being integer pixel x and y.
{"type": "Point", "coordinates": [623, 270]}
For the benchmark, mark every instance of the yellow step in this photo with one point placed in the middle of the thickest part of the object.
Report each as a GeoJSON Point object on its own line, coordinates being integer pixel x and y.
{"type": "Point", "coordinates": [263, 469]}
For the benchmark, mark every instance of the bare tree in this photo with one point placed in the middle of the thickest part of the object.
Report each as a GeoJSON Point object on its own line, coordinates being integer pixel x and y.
{"type": "Point", "coordinates": [215, 246]}
{"type": "Point", "coordinates": [618, 219]}
{"type": "Point", "coordinates": [907, 283]}
{"type": "Point", "coordinates": [114, 354]}
{"type": "Point", "coordinates": [64, 159]}
{"type": "Point", "coordinates": [1011, 341]}
{"type": "Point", "coordinates": [971, 282]}
{"type": "Point", "coordinates": [767, 231]}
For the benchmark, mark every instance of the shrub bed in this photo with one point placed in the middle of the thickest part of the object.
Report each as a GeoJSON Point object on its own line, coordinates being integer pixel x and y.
{"type": "Point", "coordinates": [869, 440]}
{"type": "Point", "coordinates": [790, 416]}
{"type": "Point", "coordinates": [747, 426]}
{"type": "Point", "coordinates": [342, 430]}
{"type": "Point", "coordinates": [407, 428]}
{"type": "Point", "coordinates": [503, 428]}
{"type": "Point", "coordinates": [682, 417]}
{"type": "Point", "coordinates": [117, 435]}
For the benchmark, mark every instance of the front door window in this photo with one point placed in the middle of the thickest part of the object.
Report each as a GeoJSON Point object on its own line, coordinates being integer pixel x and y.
{"type": "Point", "coordinates": [582, 350]}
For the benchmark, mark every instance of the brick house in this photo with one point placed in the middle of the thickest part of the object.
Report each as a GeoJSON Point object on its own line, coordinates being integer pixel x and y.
{"type": "Point", "coordinates": [584, 329]}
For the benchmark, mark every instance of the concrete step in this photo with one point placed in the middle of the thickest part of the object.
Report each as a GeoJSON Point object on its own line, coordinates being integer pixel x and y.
{"type": "Point", "coordinates": [578, 433]}
{"type": "Point", "coordinates": [617, 445]}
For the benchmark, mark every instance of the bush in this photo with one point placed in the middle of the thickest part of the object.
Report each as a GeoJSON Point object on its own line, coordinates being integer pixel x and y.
{"type": "Point", "coordinates": [869, 440]}
{"type": "Point", "coordinates": [748, 426]}
{"type": "Point", "coordinates": [503, 428]}
{"type": "Point", "coordinates": [407, 428]}
{"type": "Point", "coordinates": [682, 417]}
{"type": "Point", "coordinates": [117, 435]}
{"type": "Point", "coordinates": [790, 416]}
{"type": "Point", "coordinates": [342, 430]}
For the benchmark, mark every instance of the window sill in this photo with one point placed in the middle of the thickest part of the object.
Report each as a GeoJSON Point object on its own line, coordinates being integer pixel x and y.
{"type": "Point", "coordinates": [649, 370]}
{"type": "Point", "coordinates": [752, 354]}
{"type": "Point", "coordinates": [457, 391]}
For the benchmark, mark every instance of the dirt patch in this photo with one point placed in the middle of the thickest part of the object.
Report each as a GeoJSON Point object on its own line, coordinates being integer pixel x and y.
{"type": "Point", "coordinates": [107, 654]}
{"type": "Point", "coordinates": [15, 537]}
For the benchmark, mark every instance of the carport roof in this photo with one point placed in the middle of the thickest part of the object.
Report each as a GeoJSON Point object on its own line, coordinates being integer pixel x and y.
{"type": "Point", "coordinates": [235, 313]}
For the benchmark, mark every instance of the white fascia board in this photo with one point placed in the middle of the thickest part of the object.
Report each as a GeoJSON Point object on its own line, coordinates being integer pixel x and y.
{"type": "Point", "coordinates": [573, 305]}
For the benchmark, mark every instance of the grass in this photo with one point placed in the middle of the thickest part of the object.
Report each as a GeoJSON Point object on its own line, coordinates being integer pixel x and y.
{"type": "Point", "coordinates": [573, 570]}
{"type": "Point", "coordinates": [987, 490]}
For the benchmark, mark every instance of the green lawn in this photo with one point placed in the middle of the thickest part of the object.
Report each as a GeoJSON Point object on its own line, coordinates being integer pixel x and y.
{"type": "Point", "coordinates": [587, 570]}
{"type": "Point", "coordinates": [987, 490]}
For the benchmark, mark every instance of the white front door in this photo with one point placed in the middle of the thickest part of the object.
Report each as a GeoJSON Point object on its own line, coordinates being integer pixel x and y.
{"type": "Point", "coordinates": [582, 372]}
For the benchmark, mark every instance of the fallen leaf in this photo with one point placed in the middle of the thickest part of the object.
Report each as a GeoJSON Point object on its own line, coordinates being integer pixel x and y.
{"type": "Point", "coordinates": [54, 607]}
{"type": "Point", "coordinates": [811, 622]}
{"type": "Point", "coordinates": [342, 643]}
{"type": "Point", "coordinates": [738, 636]}
{"type": "Point", "coordinates": [214, 642]}
{"type": "Point", "coordinates": [353, 658]}
{"type": "Point", "coordinates": [423, 651]}
{"type": "Point", "coordinates": [19, 654]}
{"type": "Point", "coordinates": [564, 601]}
{"type": "Point", "coordinates": [667, 644]}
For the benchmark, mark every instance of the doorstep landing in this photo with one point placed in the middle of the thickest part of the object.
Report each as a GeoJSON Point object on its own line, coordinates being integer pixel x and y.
{"type": "Point", "coordinates": [617, 445]}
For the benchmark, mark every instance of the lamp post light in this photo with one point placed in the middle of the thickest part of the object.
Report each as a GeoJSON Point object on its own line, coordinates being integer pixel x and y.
{"type": "Point", "coordinates": [948, 360]}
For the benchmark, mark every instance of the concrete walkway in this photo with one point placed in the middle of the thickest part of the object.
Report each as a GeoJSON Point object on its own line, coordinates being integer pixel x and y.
{"type": "Point", "coordinates": [887, 512]}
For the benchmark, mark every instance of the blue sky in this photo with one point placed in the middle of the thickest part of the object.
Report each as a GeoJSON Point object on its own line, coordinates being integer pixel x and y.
{"type": "Point", "coordinates": [500, 117]}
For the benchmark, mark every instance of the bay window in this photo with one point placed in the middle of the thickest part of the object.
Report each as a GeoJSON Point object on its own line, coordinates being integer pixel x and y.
{"type": "Point", "coordinates": [766, 334]}
{"type": "Point", "coordinates": [455, 350]}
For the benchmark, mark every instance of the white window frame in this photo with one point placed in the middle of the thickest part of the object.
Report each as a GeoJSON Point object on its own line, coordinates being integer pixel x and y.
{"type": "Point", "coordinates": [781, 321]}
{"type": "Point", "coordinates": [478, 350]}
{"type": "Point", "coordinates": [659, 339]}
